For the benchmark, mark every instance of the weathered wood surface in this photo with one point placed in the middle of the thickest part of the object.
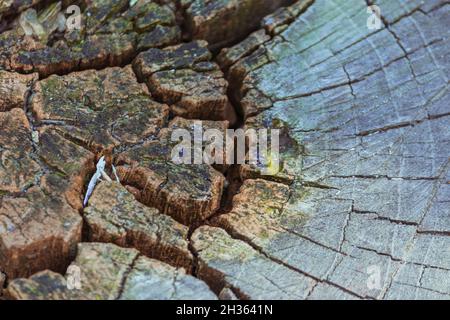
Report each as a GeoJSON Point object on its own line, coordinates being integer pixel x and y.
{"type": "Point", "coordinates": [370, 112]}
{"type": "Point", "coordinates": [185, 77]}
{"type": "Point", "coordinates": [110, 272]}
{"type": "Point", "coordinates": [110, 34]}
{"type": "Point", "coordinates": [223, 22]}
{"type": "Point", "coordinates": [359, 210]}
{"type": "Point", "coordinates": [113, 215]}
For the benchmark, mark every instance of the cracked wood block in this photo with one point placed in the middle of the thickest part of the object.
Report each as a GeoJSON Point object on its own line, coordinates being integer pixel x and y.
{"type": "Point", "coordinates": [229, 56]}
{"type": "Point", "coordinates": [108, 272]}
{"type": "Point", "coordinates": [98, 109]}
{"type": "Point", "coordinates": [371, 177]}
{"type": "Point", "coordinates": [73, 163]}
{"type": "Point", "coordinates": [14, 89]}
{"type": "Point", "coordinates": [38, 230]}
{"type": "Point", "coordinates": [222, 22]}
{"type": "Point", "coordinates": [190, 193]}
{"type": "Point", "coordinates": [110, 34]}
{"type": "Point", "coordinates": [61, 154]}
{"type": "Point", "coordinates": [272, 25]}
{"type": "Point", "coordinates": [113, 215]}
{"type": "Point", "coordinates": [18, 169]}
{"type": "Point", "coordinates": [231, 263]}
{"type": "Point", "coordinates": [184, 77]}
{"type": "Point", "coordinates": [38, 227]}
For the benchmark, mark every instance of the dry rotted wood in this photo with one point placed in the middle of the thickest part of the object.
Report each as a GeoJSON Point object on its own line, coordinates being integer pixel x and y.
{"type": "Point", "coordinates": [363, 188]}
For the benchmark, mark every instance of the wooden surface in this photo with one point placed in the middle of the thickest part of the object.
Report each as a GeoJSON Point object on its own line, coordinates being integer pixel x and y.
{"type": "Point", "coordinates": [359, 210]}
